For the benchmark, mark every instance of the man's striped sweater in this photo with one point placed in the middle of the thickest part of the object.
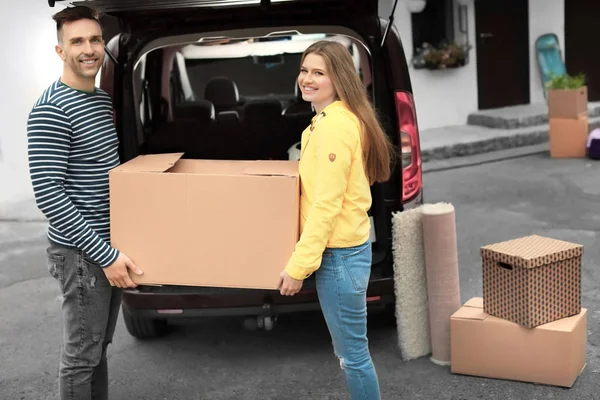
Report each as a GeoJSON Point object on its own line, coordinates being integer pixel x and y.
{"type": "Point", "coordinates": [72, 144]}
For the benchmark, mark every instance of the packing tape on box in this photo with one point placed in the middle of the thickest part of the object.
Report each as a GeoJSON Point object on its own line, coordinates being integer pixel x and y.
{"type": "Point", "coordinates": [441, 264]}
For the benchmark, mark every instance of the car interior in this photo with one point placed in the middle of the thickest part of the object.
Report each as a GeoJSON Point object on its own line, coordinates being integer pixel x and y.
{"type": "Point", "coordinates": [234, 99]}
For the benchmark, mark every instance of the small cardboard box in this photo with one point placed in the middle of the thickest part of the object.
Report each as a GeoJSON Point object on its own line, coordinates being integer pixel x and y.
{"type": "Point", "coordinates": [568, 137]}
{"type": "Point", "coordinates": [205, 222]}
{"type": "Point", "coordinates": [486, 346]}
{"type": "Point", "coordinates": [568, 103]}
{"type": "Point", "coordinates": [532, 280]}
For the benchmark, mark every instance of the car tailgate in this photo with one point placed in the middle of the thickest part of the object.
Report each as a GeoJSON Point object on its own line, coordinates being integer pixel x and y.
{"type": "Point", "coordinates": [150, 13]}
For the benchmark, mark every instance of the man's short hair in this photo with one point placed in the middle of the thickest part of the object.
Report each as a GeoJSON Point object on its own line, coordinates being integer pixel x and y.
{"type": "Point", "coordinates": [71, 14]}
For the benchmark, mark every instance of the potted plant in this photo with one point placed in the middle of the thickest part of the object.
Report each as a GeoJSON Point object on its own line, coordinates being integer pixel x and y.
{"type": "Point", "coordinates": [567, 96]}
{"type": "Point", "coordinates": [446, 56]}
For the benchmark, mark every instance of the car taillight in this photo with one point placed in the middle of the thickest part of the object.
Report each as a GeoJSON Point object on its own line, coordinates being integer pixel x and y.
{"type": "Point", "coordinates": [410, 148]}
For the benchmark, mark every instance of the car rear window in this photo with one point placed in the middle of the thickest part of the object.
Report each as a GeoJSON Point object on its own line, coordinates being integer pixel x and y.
{"type": "Point", "coordinates": [230, 98]}
{"type": "Point", "coordinates": [258, 67]}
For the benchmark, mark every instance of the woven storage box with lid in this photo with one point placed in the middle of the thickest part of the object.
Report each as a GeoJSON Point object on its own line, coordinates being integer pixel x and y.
{"type": "Point", "coordinates": [532, 280]}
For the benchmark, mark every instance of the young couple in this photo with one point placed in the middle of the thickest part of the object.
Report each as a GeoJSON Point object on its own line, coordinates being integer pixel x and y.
{"type": "Point", "coordinates": [72, 144]}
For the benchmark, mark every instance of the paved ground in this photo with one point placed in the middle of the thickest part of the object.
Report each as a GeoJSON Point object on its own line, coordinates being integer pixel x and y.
{"type": "Point", "coordinates": [216, 359]}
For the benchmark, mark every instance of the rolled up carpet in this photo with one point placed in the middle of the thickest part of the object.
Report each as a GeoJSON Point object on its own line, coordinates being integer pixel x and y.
{"type": "Point", "coordinates": [410, 285]}
{"type": "Point", "coordinates": [441, 264]}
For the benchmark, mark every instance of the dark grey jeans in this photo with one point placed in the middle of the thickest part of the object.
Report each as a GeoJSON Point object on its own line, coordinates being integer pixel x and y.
{"type": "Point", "coordinates": [90, 308]}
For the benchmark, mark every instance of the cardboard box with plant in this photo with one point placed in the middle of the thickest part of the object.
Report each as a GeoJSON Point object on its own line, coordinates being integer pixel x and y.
{"type": "Point", "coordinates": [567, 97]}
{"type": "Point", "coordinates": [568, 116]}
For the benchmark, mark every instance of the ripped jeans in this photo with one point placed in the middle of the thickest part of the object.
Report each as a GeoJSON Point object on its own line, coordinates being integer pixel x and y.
{"type": "Point", "coordinates": [342, 281]}
{"type": "Point", "coordinates": [90, 307]}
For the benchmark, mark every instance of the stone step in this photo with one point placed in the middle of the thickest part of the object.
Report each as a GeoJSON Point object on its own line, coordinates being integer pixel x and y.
{"type": "Point", "coordinates": [519, 116]}
{"type": "Point", "coordinates": [467, 140]}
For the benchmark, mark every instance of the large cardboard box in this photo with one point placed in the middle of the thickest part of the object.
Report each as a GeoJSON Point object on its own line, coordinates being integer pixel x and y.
{"type": "Point", "coordinates": [568, 137]}
{"type": "Point", "coordinates": [568, 103]}
{"type": "Point", "coordinates": [486, 346]}
{"type": "Point", "coordinates": [532, 280]}
{"type": "Point", "coordinates": [205, 222]}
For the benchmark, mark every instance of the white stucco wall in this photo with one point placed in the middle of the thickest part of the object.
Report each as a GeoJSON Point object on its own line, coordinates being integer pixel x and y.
{"type": "Point", "coordinates": [447, 97]}
{"type": "Point", "coordinates": [545, 16]}
{"type": "Point", "coordinates": [27, 37]}
{"type": "Point", "coordinates": [443, 97]}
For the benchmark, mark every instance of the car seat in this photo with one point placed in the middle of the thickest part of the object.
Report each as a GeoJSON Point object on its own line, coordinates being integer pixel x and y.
{"type": "Point", "coordinates": [294, 151]}
{"type": "Point", "coordinates": [223, 93]}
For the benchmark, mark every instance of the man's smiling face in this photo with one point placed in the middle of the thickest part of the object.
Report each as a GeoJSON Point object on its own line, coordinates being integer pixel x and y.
{"type": "Point", "coordinates": [81, 47]}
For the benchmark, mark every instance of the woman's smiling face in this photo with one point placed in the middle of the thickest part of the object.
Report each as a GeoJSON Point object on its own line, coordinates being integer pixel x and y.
{"type": "Point", "coordinates": [315, 82]}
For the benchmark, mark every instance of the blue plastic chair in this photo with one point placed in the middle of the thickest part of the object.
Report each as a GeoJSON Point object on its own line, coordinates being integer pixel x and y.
{"type": "Point", "coordinates": [549, 58]}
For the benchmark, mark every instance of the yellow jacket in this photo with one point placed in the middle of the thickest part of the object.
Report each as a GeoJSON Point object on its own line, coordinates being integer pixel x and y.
{"type": "Point", "coordinates": [335, 191]}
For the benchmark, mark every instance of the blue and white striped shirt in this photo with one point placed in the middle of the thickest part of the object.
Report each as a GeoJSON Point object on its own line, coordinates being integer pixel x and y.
{"type": "Point", "coordinates": [72, 145]}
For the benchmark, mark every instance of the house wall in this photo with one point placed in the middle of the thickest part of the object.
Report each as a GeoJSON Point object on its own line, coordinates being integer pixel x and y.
{"type": "Point", "coordinates": [28, 37]}
{"type": "Point", "coordinates": [447, 97]}
{"type": "Point", "coordinates": [443, 97]}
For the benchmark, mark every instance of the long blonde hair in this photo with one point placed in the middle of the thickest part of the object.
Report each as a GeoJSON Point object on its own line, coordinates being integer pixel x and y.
{"type": "Point", "coordinates": [350, 90]}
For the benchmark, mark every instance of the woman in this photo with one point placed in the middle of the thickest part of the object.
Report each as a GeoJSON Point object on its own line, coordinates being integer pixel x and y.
{"type": "Point", "coordinates": [344, 151]}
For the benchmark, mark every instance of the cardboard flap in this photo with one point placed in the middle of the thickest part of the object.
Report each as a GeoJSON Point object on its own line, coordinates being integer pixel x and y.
{"type": "Point", "coordinates": [472, 309]}
{"type": "Point", "coordinates": [151, 163]}
{"type": "Point", "coordinates": [470, 313]}
{"type": "Point", "coordinates": [531, 251]}
{"type": "Point", "coordinates": [272, 168]}
{"type": "Point", "coordinates": [476, 302]}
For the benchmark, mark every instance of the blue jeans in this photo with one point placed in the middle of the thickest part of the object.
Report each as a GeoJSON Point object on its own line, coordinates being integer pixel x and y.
{"type": "Point", "coordinates": [90, 307]}
{"type": "Point", "coordinates": [342, 281]}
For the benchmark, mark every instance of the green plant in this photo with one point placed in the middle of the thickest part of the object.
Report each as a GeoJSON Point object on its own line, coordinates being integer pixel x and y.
{"type": "Point", "coordinates": [446, 56]}
{"type": "Point", "coordinates": [566, 81]}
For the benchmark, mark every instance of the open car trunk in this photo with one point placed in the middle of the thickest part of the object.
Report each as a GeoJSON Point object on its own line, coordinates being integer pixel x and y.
{"type": "Point", "coordinates": [192, 80]}
{"type": "Point", "coordinates": [244, 108]}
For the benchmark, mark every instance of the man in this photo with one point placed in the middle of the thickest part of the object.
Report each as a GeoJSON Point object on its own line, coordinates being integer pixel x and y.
{"type": "Point", "coordinates": [72, 145]}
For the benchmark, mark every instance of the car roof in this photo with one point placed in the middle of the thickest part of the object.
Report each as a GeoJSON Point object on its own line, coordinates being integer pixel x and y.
{"type": "Point", "coordinates": [294, 44]}
{"type": "Point", "coordinates": [156, 15]}
{"type": "Point", "coordinates": [118, 6]}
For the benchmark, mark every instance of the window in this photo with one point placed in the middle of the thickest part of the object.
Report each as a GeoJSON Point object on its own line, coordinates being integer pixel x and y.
{"type": "Point", "coordinates": [434, 25]}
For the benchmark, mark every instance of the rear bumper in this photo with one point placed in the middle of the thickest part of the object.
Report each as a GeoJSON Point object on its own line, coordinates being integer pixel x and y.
{"type": "Point", "coordinates": [164, 303]}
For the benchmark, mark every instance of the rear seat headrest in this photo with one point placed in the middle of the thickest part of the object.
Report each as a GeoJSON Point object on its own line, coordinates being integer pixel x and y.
{"type": "Point", "coordinates": [267, 109]}
{"type": "Point", "coordinates": [228, 116]}
{"type": "Point", "coordinates": [222, 92]}
{"type": "Point", "coordinates": [198, 109]}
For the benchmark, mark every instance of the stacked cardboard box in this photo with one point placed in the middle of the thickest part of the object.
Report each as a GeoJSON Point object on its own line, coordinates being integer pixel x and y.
{"type": "Point", "coordinates": [530, 325]}
{"type": "Point", "coordinates": [568, 116]}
